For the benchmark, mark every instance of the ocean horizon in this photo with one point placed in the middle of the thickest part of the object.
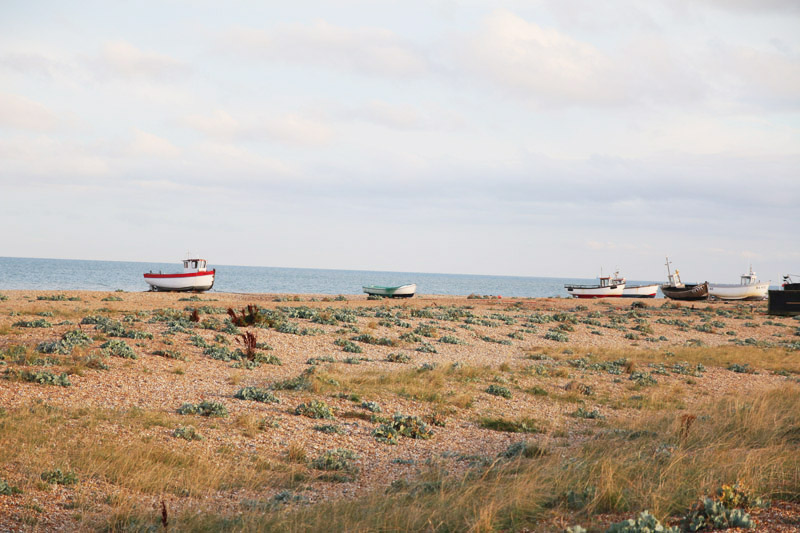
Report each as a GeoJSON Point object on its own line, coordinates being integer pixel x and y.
{"type": "Point", "coordinates": [21, 273]}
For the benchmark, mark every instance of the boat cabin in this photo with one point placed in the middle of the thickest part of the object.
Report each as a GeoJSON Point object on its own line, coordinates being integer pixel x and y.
{"type": "Point", "coordinates": [194, 265]}
{"type": "Point", "coordinates": [749, 278]}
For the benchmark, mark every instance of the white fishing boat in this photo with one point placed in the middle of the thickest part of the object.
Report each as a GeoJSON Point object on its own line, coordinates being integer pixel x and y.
{"type": "Point", "coordinates": [635, 291]}
{"type": "Point", "coordinates": [608, 288]}
{"type": "Point", "coordinates": [194, 277]}
{"type": "Point", "coordinates": [749, 288]}
{"type": "Point", "coordinates": [401, 291]}
{"type": "Point", "coordinates": [640, 291]}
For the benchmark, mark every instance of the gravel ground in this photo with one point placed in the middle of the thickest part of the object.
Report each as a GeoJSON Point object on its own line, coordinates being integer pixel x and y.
{"type": "Point", "coordinates": [159, 384]}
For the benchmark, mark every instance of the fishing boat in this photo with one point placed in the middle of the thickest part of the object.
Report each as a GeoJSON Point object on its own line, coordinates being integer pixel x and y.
{"type": "Point", "coordinates": [786, 301]}
{"type": "Point", "coordinates": [194, 277]}
{"type": "Point", "coordinates": [749, 288]}
{"type": "Point", "coordinates": [677, 290]}
{"type": "Point", "coordinates": [608, 288]}
{"type": "Point", "coordinates": [401, 291]}
{"type": "Point", "coordinates": [640, 291]}
{"type": "Point", "coordinates": [635, 291]}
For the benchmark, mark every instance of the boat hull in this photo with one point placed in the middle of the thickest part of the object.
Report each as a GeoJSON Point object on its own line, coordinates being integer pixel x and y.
{"type": "Point", "coordinates": [578, 291]}
{"type": "Point", "coordinates": [192, 281]}
{"type": "Point", "coordinates": [640, 291]}
{"type": "Point", "coordinates": [756, 291]}
{"type": "Point", "coordinates": [403, 291]}
{"type": "Point", "coordinates": [687, 292]}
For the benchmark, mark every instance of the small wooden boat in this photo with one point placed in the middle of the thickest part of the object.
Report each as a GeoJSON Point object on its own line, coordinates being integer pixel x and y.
{"type": "Point", "coordinates": [608, 288]}
{"type": "Point", "coordinates": [785, 302]}
{"type": "Point", "coordinates": [401, 291]}
{"type": "Point", "coordinates": [676, 290]}
{"type": "Point", "coordinates": [194, 277]}
{"type": "Point", "coordinates": [749, 288]}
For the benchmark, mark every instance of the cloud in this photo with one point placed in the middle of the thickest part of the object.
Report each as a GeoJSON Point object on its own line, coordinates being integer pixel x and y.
{"type": "Point", "coordinates": [369, 51]}
{"type": "Point", "coordinates": [287, 128]}
{"type": "Point", "coordinates": [41, 159]}
{"type": "Point", "coordinates": [18, 112]}
{"type": "Point", "coordinates": [149, 145]}
{"type": "Point", "coordinates": [123, 59]}
{"type": "Point", "coordinates": [540, 64]}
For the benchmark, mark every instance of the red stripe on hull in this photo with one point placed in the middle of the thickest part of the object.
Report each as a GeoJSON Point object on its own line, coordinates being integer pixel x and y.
{"type": "Point", "coordinates": [597, 296]}
{"type": "Point", "coordinates": [187, 275]}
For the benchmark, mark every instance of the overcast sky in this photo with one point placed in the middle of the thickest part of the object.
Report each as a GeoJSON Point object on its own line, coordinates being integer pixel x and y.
{"type": "Point", "coordinates": [539, 138]}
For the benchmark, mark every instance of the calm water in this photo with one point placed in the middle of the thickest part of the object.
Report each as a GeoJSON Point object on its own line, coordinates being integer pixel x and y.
{"type": "Point", "coordinates": [68, 274]}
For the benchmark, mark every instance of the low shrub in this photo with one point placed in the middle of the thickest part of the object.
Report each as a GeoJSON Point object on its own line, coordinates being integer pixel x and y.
{"type": "Point", "coordinates": [187, 433]}
{"type": "Point", "coordinates": [498, 390]}
{"type": "Point", "coordinates": [644, 523]}
{"type": "Point", "coordinates": [118, 348]}
{"type": "Point", "coordinates": [204, 408]}
{"type": "Point", "coordinates": [314, 409]}
{"type": "Point", "coordinates": [398, 357]}
{"type": "Point", "coordinates": [519, 425]}
{"type": "Point", "coordinates": [57, 477]}
{"type": "Point", "coordinates": [257, 395]}
{"type": "Point", "coordinates": [339, 459]}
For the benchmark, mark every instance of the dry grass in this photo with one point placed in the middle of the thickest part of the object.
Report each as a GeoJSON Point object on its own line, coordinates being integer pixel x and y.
{"type": "Point", "coordinates": [654, 463]}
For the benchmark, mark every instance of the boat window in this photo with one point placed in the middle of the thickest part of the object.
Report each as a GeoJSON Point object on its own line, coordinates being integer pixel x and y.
{"type": "Point", "coordinates": [194, 264]}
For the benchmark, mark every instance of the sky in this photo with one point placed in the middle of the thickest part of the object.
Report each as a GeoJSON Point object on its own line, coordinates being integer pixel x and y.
{"type": "Point", "coordinates": [535, 138]}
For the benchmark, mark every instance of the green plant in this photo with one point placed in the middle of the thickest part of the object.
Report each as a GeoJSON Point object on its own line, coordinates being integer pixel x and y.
{"type": "Point", "coordinates": [118, 348]}
{"type": "Point", "coordinates": [187, 433]}
{"type": "Point", "coordinates": [42, 377]}
{"type": "Point", "coordinates": [330, 429]}
{"type": "Point", "coordinates": [314, 409]}
{"type": "Point", "coordinates": [712, 514]}
{"type": "Point", "coordinates": [371, 406]}
{"type": "Point", "coordinates": [519, 425]}
{"type": "Point", "coordinates": [39, 323]}
{"type": "Point", "coordinates": [67, 342]}
{"type": "Point", "coordinates": [5, 488]}
{"type": "Point", "coordinates": [204, 408]}
{"type": "Point", "coordinates": [57, 477]}
{"type": "Point", "coordinates": [412, 427]}
{"type": "Point", "coordinates": [583, 413]}
{"type": "Point", "coordinates": [339, 459]}
{"type": "Point", "coordinates": [257, 395]}
{"type": "Point", "coordinates": [398, 357]}
{"type": "Point", "coordinates": [644, 523]}
{"type": "Point", "coordinates": [557, 336]}
{"type": "Point", "coordinates": [498, 390]}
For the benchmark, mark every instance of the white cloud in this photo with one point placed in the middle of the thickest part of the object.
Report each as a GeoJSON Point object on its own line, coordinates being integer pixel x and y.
{"type": "Point", "coordinates": [541, 64]}
{"type": "Point", "coordinates": [19, 112]}
{"type": "Point", "coordinates": [124, 59]}
{"type": "Point", "coordinates": [149, 145]}
{"type": "Point", "coordinates": [48, 159]}
{"type": "Point", "coordinates": [371, 51]}
{"type": "Point", "coordinates": [287, 128]}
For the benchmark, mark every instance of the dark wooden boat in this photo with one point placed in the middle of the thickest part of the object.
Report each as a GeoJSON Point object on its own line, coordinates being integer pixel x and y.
{"type": "Point", "coordinates": [677, 290]}
{"type": "Point", "coordinates": [785, 302]}
{"type": "Point", "coordinates": [686, 292]}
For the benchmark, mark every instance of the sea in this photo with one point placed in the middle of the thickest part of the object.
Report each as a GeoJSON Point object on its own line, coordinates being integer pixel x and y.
{"type": "Point", "coordinates": [73, 274]}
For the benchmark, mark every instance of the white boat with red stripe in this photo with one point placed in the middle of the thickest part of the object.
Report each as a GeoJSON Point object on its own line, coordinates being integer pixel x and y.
{"type": "Point", "coordinates": [194, 277]}
{"type": "Point", "coordinates": [608, 288]}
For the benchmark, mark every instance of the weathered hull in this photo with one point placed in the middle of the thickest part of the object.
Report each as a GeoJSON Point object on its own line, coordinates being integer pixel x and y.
{"type": "Point", "coordinates": [757, 291]}
{"type": "Point", "coordinates": [785, 302]}
{"type": "Point", "coordinates": [687, 292]}
{"type": "Point", "coordinates": [194, 281]}
{"type": "Point", "coordinates": [403, 291]}
{"type": "Point", "coordinates": [640, 291]}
